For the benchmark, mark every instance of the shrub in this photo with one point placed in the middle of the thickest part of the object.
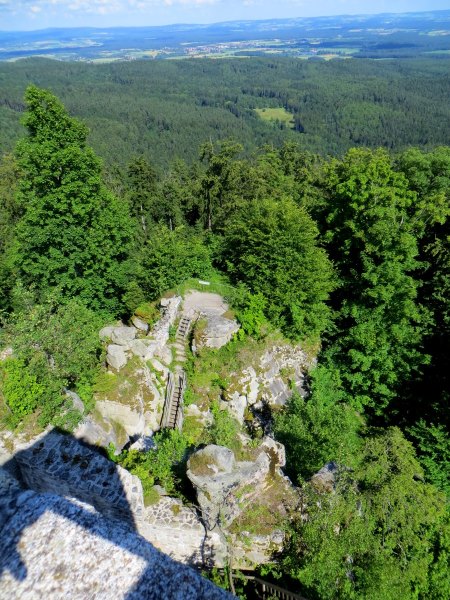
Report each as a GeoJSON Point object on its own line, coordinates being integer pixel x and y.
{"type": "Point", "coordinates": [20, 389]}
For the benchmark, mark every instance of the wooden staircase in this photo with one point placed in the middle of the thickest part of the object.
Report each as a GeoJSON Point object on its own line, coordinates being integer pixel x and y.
{"type": "Point", "coordinates": [183, 328]}
{"type": "Point", "coordinates": [173, 405]}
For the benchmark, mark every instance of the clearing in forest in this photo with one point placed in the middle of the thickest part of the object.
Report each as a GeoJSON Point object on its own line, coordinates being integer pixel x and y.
{"type": "Point", "coordinates": [276, 114]}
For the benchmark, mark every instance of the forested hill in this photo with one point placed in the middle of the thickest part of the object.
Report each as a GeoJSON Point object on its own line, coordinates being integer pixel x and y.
{"type": "Point", "coordinates": [347, 258]}
{"type": "Point", "coordinates": [166, 109]}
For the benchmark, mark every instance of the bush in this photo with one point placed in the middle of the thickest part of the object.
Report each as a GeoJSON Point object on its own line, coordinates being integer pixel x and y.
{"type": "Point", "coordinates": [20, 389]}
{"type": "Point", "coordinates": [319, 429]}
{"type": "Point", "coordinates": [224, 429]}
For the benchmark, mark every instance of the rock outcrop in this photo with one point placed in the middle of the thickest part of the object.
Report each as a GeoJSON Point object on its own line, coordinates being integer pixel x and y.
{"type": "Point", "coordinates": [223, 485]}
{"type": "Point", "coordinates": [125, 340]}
{"type": "Point", "coordinates": [325, 479]}
{"type": "Point", "coordinates": [218, 331]}
{"type": "Point", "coordinates": [116, 357]}
{"type": "Point", "coordinates": [271, 379]}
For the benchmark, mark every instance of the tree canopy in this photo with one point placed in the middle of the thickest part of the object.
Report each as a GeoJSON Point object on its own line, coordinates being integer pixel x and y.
{"type": "Point", "coordinates": [74, 235]}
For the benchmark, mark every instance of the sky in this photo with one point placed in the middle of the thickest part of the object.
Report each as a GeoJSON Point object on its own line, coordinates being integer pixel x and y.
{"type": "Point", "coordinates": [21, 15]}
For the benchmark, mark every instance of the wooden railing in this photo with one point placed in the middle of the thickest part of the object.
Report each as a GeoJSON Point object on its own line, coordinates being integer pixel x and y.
{"type": "Point", "coordinates": [266, 589]}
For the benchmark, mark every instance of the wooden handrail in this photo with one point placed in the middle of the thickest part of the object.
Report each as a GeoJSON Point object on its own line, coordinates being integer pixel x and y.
{"type": "Point", "coordinates": [274, 590]}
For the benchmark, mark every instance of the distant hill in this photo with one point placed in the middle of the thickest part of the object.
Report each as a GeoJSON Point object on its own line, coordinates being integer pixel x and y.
{"type": "Point", "coordinates": [372, 36]}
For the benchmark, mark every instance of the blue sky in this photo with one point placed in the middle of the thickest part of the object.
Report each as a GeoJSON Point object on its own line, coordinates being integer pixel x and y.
{"type": "Point", "coordinates": [19, 15]}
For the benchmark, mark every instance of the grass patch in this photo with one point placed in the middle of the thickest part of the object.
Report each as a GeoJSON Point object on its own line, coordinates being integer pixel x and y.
{"type": "Point", "coordinates": [257, 519]}
{"type": "Point", "coordinates": [148, 312]}
{"type": "Point", "coordinates": [218, 284]}
{"type": "Point", "coordinates": [274, 115]}
{"type": "Point", "coordinates": [193, 429]}
{"type": "Point", "coordinates": [199, 465]}
{"type": "Point", "coordinates": [176, 509]}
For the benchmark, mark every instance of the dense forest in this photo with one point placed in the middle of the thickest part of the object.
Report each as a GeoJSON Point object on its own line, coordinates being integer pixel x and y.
{"type": "Point", "coordinates": [168, 109]}
{"type": "Point", "coordinates": [348, 255]}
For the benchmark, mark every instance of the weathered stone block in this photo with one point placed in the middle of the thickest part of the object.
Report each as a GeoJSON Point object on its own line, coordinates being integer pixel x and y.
{"type": "Point", "coordinates": [116, 357]}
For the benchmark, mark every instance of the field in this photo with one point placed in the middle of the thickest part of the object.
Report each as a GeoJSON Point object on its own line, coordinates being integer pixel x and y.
{"type": "Point", "coordinates": [277, 115]}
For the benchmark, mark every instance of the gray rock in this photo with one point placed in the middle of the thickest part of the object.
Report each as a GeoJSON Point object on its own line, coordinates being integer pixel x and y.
{"type": "Point", "coordinates": [206, 418]}
{"type": "Point", "coordinates": [219, 331]}
{"type": "Point", "coordinates": [123, 335]}
{"type": "Point", "coordinates": [237, 406]}
{"type": "Point", "coordinates": [325, 479]}
{"type": "Point", "coordinates": [275, 451]}
{"type": "Point", "coordinates": [164, 354]}
{"type": "Point", "coordinates": [106, 332]}
{"type": "Point", "coordinates": [160, 368]}
{"type": "Point", "coordinates": [77, 402]}
{"type": "Point", "coordinates": [138, 348]}
{"type": "Point", "coordinates": [116, 356]}
{"type": "Point", "coordinates": [139, 324]}
{"type": "Point", "coordinates": [94, 429]}
{"type": "Point", "coordinates": [131, 419]}
{"type": "Point", "coordinates": [223, 486]}
{"type": "Point", "coordinates": [6, 353]}
{"type": "Point", "coordinates": [217, 459]}
{"type": "Point", "coordinates": [160, 490]}
{"type": "Point", "coordinates": [143, 444]}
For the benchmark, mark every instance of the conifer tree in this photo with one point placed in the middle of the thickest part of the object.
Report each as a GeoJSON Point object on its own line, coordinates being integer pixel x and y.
{"type": "Point", "coordinates": [74, 235]}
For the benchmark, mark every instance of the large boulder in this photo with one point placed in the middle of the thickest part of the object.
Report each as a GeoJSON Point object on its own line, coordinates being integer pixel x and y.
{"type": "Point", "coordinates": [106, 332]}
{"type": "Point", "coordinates": [97, 430]}
{"type": "Point", "coordinates": [139, 348]}
{"type": "Point", "coordinates": [130, 418]}
{"type": "Point", "coordinates": [139, 324]}
{"type": "Point", "coordinates": [223, 485]}
{"type": "Point", "coordinates": [218, 331]}
{"type": "Point", "coordinates": [123, 335]}
{"type": "Point", "coordinates": [116, 357]}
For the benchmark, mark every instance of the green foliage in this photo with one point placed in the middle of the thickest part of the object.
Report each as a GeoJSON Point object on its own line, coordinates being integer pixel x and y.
{"type": "Point", "coordinates": [250, 313]}
{"type": "Point", "coordinates": [132, 111]}
{"type": "Point", "coordinates": [433, 444]}
{"type": "Point", "coordinates": [319, 429]}
{"type": "Point", "coordinates": [379, 325]}
{"type": "Point", "coordinates": [160, 465]}
{"type": "Point", "coordinates": [170, 257]}
{"type": "Point", "coordinates": [59, 347]}
{"type": "Point", "coordinates": [138, 464]}
{"type": "Point", "coordinates": [19, 388]}
{"type": "Point", "coordinates": [171, 450]}
{"type": "Point", "coordinates": [224, 429]}
{"type": "Point", "coordinates": [73, 236]}
{"type": "Point", "coordinates": [142, 180]}
{"type": "Point", "coordinates": [148, 312]}
{"type": "Point", "coordinates": [272, 247]}
{"type": "Point", "coordinates": [376, 536]}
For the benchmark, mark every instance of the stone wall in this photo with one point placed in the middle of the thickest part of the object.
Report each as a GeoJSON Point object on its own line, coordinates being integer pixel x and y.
{"type": "Point", "coordinates": [60, 464]}
{"type": "Point", "coordinates": [54, 547]}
